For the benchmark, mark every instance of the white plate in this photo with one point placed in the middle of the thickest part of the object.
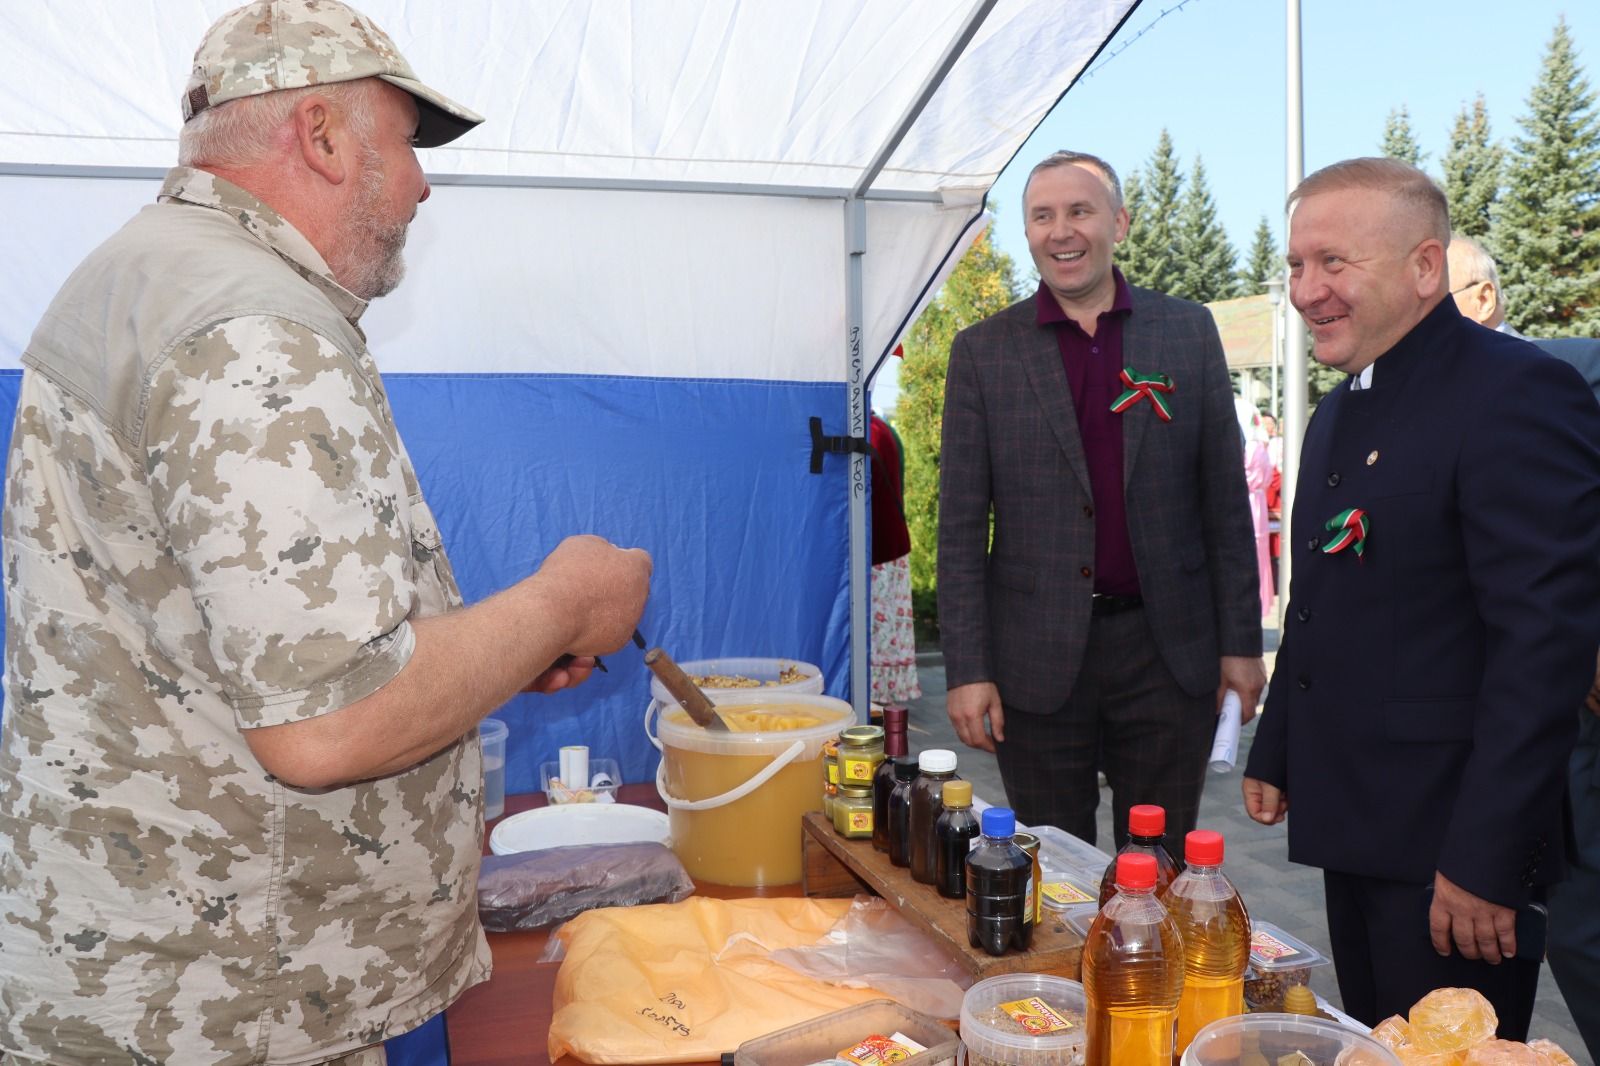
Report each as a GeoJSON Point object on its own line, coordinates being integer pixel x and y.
{"type": "Point", "coordinates": [578, 823]}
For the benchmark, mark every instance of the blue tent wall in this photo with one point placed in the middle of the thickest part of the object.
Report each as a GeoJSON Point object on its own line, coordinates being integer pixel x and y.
{"type": "Point", "coordinates": [751, 550]}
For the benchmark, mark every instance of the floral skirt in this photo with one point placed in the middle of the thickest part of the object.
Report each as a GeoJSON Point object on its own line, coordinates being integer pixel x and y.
{"type": "Point", "coordinates": [894, 643]}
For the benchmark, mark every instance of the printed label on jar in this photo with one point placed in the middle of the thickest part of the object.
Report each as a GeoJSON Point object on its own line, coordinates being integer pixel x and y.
{"type": "Point", "coordinates": [877, 1050]}
{"type": "Point", "coordinates": [1036, 1016]}
{"type": "Point", "coordinates": [859, 821]}
{"type": "Point", "coordinates": [857, 769]}
{"type": "Point", "coordinates": [1264, 947]}
{"type": "Point", "coordinates": [1027, 903]}
{"type": "Point", "coordinates": [1065, 894]}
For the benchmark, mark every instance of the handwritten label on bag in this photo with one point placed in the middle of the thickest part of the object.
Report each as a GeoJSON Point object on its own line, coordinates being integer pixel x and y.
{"type": "Point", "coordinates": [668, 1021]}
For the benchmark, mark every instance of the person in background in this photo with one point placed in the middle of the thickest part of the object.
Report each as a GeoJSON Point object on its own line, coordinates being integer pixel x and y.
{"type": "Point", "coordinates": [1257, 477]}
{"type": "Point", "coordinates": [1575, 902]}
{"type": "Point", "coordinates": [240, 777]}
{"type": "Point", "coordinates": [1274, 497]}
{"type": "Point", "coordinates": [1116, 602]}
{"type": "Point", "coordinates": [1445, 611]}
{"type": "Point", "coordinates": [894, 644]}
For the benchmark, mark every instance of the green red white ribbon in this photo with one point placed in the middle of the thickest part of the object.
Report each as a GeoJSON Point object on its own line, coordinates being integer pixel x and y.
{"type": "Point", "coordinates": [1144, 387]}
{"type": "Point", "coordinates": [1351, 525]}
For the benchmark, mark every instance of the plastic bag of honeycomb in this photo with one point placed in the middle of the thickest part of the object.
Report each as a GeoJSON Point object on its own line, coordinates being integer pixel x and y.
{"type": "Point", "coordinates": [1451, 1019]}
{"type": "Point", "coordinates": [1553, 1052]}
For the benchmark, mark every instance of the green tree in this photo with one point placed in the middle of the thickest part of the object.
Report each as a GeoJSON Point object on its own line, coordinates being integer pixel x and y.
{"type": "Point", "coordinates": [1206, 260]}
{"type": "Point", "coordinates": [982, 283]}
{"type": "Point", "coordinates": [1398, 140]}
{"type": "Point", "coordinates": [1545, 234]}
{"type": "Point", "coordinates": [1263, 262]}
{"type": "Point", "coordinates": [1150, 255]}
{"type": "Point", "coordinates": [1472, 168]}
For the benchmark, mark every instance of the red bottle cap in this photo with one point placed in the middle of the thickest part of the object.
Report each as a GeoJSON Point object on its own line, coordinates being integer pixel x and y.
{"type": "Point", "coordinates": [1147, 820]}
{"type": "Point", "coordinates": [1203, 847]}
{"type": "Point", "coordinates": [1136, 871]}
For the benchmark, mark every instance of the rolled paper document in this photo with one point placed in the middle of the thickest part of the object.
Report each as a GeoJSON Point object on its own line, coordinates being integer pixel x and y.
{"type": "Point", "coordinates": [1225, 747]}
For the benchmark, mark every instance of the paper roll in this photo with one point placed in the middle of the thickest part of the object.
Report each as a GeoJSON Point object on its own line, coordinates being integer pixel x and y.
{"type": "Point", "coordinates": [1225, 746]}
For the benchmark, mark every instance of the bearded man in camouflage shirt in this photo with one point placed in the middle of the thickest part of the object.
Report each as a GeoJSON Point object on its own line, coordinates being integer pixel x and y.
{"type": "Point", "coordinates": [240, 781]}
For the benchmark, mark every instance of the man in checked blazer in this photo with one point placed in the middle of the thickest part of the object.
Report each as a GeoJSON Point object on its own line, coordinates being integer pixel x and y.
{"type": "Point", "coordinates": [1117, 600]}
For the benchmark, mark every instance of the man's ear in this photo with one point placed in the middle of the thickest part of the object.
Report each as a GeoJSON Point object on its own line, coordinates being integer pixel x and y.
{"type": "Point", "coordinates": [319, 132]}
{"type": "Point", "coordinates": [1430, 268]}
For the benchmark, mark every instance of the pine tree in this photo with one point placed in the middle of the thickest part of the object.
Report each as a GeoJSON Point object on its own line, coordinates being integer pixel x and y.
{"type": "Point", "coordinates": [1149, 256]}
{"type": "Point", "coordinates": [1545, 234]}
{"type": "Point", "coordinates": [1398, 140]}
{"type": "Point", "coordinates": [1263, 263]}
{"type": "Point", "coordinates": [1472, 169]}
{"type": "Point", "coordinates": [981, 284]}
{"type": "Point", "coordinates": [1206, 260]}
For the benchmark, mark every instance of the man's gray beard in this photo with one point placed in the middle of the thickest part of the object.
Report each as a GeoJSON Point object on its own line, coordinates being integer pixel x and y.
{"type": "Point", "coordinates": [375, 249]}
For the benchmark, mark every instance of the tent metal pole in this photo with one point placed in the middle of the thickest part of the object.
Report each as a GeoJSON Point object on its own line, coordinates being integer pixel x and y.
{"type": "Point", "coordinates": [855, 244]}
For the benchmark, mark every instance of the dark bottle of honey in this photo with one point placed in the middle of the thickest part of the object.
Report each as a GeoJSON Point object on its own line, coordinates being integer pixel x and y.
{"type": "Point", "coordinates": [894, 744]}
{"type": "Point", "coordinates": [935, 767]}
{"type": "Point", "coordinates": [899, 812]}
{"type": "Point", "coordinates": [955, 830]}
{"type": "Point", "coordinates": [997, 887]}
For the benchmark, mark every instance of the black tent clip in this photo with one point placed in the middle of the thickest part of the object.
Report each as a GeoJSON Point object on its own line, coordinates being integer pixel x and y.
{"type": "Point", "coordinates": [821, 445]}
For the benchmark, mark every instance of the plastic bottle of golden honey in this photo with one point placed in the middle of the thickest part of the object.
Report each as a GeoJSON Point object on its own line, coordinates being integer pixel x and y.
{"type": "Point", "coordinates": [1146, 825]}
{"type": "Point", "coordinates": [1133, 965]}
{"type": "Point", "coordinates": [1216, 937]}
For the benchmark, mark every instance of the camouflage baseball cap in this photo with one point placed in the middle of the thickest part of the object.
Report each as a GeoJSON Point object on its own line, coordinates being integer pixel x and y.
{"type": "Point", "coordinates": [289, 44]}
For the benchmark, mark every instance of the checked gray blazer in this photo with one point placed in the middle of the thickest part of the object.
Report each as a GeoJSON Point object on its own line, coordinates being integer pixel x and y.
{"type": "Point", "coordinates": [1016, 612]}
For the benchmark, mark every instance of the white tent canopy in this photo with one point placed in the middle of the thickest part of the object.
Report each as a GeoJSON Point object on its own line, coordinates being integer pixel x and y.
{"type": "Point", "coordinates": [683, 190]}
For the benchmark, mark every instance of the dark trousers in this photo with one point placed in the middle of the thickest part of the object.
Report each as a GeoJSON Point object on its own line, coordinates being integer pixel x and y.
{"type": "Point", "coordinates": [1575, 902]}
{"type": "Point", "coordinates": [1385, 962]}
{"type": "Point", "coordinates": [1127, 717]}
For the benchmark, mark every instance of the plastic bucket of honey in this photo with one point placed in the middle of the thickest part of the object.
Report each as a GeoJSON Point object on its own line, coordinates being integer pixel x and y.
{"type": "Point", "coordinates": [735, 799]}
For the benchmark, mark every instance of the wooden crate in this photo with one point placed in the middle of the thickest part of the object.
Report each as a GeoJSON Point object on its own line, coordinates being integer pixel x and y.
{"type": "Point", "coordinates": [835, 866]}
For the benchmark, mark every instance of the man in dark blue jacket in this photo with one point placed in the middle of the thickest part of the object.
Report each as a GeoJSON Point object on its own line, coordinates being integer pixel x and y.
{"type": "Point", "coordinates": [1445, 610]}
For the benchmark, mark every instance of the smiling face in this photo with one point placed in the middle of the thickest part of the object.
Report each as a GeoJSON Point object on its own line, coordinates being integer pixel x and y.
{"type": "Point", "coordinates": [1073, 226]}
{"type": "Point", "coordinates": [1362, 273]}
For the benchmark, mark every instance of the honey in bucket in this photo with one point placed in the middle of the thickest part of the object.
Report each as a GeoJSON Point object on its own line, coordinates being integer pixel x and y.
{"type": "Point", "coordinates": [735, 799]}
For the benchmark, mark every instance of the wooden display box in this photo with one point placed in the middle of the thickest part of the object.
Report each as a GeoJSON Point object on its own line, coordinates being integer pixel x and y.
{"type": "Point", "coordinates": [835, 866]}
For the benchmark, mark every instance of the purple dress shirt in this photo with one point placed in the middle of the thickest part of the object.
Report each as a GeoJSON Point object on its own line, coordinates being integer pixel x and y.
{"type": "Point", "coordinates": [1094, 368]}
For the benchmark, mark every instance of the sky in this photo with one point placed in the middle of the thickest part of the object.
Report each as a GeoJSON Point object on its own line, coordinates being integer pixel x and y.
{"type": "Point", "coordinates": [1212, 72]}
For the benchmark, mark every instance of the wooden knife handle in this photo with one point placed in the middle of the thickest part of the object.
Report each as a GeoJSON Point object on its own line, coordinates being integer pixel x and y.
{"type": "Point", "coordinates": [684, 690]}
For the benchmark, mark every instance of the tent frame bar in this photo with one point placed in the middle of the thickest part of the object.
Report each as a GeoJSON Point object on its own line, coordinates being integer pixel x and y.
{"type": "Point", "coordinates": [718, 188]}
{"type": "Point", "coordinates": [855, 246]}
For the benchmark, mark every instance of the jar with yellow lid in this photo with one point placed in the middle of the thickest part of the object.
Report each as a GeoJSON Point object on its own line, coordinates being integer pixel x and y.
{"type": "Point", "coordinates": [852, 812]}
{"type": "Point", "coordinates": [860, 752]}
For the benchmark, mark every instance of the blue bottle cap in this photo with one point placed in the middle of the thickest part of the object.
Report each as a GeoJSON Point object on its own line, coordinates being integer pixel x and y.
{"type": "Point", "coordinates": [999, 822]}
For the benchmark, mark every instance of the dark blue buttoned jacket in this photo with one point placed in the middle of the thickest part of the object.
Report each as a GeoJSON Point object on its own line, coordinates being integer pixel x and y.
{"type": "Point", "coordinates": [1421, 711]}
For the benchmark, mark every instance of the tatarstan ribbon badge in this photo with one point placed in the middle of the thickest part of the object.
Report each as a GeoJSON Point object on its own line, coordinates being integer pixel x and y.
{"type": "Point", "coordinates": [1350, 531]}
{"type": "Point", "coordinates": [1150, 387]}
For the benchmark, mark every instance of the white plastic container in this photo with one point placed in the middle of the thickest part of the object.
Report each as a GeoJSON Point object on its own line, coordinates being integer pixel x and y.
{"type": "Point", "coordinates": [492, 733]}
{"type": "Point", "coordinates": [1071, 870]}
{"type": "Point", "coordinates": [1276, 1037]}
{"type": "Point", "coordinates": [822, 1038]}
{"type": "Point", "coordinates": [764, 671]}
{"type": "Point", "coordinates": [993, 1036]}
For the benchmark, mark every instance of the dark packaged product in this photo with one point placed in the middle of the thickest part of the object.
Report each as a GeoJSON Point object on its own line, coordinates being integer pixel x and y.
{"type": "Point", "coordinates": [533, 889]}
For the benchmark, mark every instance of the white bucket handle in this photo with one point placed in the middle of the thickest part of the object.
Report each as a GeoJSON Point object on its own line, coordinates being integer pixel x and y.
{"type": "Point", "coordinates": [738, 792]}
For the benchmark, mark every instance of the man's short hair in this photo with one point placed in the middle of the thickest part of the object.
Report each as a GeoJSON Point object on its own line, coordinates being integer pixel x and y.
{"type": "Point", "coordinates": [1411, 187]}
{"type": "Point", "coordinates": [1477, 262]}
{"type": "Point", "coordinates": [244, 131]}
{"type": "Point", "coordinates": [1066, 159]}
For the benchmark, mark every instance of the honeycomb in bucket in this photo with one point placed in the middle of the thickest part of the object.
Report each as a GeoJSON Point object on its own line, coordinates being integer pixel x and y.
{"type": "Point", "coordinates": [1451, 1020]}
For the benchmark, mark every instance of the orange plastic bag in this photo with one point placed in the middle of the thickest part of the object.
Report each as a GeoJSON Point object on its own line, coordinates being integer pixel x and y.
{"type": "Point", "coordinates": [685, 982]}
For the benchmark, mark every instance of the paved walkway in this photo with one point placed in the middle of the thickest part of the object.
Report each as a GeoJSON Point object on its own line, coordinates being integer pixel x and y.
{"type": "Point", "coordinates": [1275, 890]}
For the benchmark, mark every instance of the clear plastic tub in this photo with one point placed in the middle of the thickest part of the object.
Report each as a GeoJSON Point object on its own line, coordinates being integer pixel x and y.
{"type": "Point", "coordinates": [993, 1035]}
{"type": "Point", "coordinates": [1071, 870]}
{"type": "Point", "coordinates": [765, 672]}
{"type": "Point", "coordinates": [1277, 961]}
{"type": "Point", "coordinates": [821, 1039]}
{"type": "Point", "coordinates": [598, 790]}
{"type": "Point", "coordinates": [1275, 1037]}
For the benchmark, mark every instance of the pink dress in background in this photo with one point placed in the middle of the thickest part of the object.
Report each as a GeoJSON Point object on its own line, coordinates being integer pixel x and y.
{"type": "Point", "coordinates": [1257, 475]}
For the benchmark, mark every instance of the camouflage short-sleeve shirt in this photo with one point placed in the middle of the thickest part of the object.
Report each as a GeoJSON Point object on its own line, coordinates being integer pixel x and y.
{"type": "Point", "coordinates": [210, 524]}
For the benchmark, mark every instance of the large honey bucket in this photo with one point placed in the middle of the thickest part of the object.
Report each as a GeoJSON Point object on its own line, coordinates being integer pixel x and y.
{"type": "Point", "coordinates": [735, 799]}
